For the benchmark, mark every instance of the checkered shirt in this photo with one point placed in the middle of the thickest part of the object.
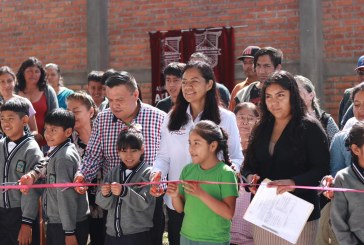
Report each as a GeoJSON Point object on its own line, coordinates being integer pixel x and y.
{"type": "Point", "coordinates": [101, 151]}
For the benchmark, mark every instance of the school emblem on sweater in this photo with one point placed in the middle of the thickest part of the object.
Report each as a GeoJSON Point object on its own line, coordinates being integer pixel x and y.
{"type": "Point", "coordinates": [20, 166]}
{"type": "Point", "coordinates": [52, 178]}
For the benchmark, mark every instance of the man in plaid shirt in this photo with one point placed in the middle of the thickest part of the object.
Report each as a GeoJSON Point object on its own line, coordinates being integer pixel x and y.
{"type": "Point", "coordinates": [125, 110]}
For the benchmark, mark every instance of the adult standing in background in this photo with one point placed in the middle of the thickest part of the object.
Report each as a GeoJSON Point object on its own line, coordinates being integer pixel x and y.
{"type": "Point", "coordinates": [7, 85]}
{"type": "Point", "coordinates": [308, 94]}
{"type": "Point", "coordinates": [173, 82]}
{"type": "Point", "coordinates": [346, 107]}
{"type": "Point", "coordinates": [247, 115]}
{"type": "Point", "coordinates": [85, 110]}
{"type": "Point", "coordinates": [33, 86]}
{"type": "Point", "coordinates": [267, 60]}
{"type": "Point", "coordinates": [248, 68]}
{"type": "Point", "coordinates": [54, 78]}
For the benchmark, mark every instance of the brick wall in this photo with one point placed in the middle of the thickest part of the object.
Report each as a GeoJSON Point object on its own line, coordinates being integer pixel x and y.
{"type": "Point", "coordinates": [264, 23]}
{"type": "Point", "coordinates": [343, 30]}
{"type": "Point", "coordinates": [53, 31]}
{"type": "Point", "coordinates": [272, 23]}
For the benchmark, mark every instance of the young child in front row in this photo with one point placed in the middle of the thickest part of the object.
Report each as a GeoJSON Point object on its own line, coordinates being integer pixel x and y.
{"type": "Point", "coordinates": [19, 152]}
{"type": "Point", "coordinates": [66, 211]}
{"type": "Point", "coordinates": [130, 208]}
{"type": "Point", "coordinates": [347, 211]}
{"type": "Point", "coordinates": [208, 208]}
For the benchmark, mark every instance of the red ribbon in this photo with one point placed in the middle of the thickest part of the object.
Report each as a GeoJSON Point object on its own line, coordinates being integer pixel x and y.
{"type": "Point", "coordinates": [71, 185]}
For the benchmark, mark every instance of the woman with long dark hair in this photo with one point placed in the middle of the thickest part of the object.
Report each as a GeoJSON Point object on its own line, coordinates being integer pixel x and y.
{"type": "Point", "coordinates": [198, 100]}
{"type": "Point", "coordinates": [32, 85]}
{"type": "Point", "coordinates": [288, 147]}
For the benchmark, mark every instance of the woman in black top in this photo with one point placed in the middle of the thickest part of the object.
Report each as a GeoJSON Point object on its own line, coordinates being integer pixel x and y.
{"type": "Point", "coordinates": [289, 147]}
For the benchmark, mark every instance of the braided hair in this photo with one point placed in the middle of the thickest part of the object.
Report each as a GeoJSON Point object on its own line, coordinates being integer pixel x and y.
{"type": "Point", "coordinates": [210, 132]}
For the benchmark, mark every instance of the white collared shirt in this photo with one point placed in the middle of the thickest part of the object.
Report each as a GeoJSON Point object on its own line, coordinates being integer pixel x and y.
{"type": "Point", "coordinates": [173, 154]}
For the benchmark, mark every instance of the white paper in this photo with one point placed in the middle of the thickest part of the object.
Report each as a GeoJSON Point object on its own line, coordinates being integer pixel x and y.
{"type": "Point", "coordinates": [284, 215]}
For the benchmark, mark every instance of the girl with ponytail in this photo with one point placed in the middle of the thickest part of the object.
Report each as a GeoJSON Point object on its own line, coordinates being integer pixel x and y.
{"type": "Point", "coordinates": [208, 208]}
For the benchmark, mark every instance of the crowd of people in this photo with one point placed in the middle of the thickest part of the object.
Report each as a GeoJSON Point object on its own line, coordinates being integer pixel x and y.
{"type": "Point", "coordinates": [271, 126]}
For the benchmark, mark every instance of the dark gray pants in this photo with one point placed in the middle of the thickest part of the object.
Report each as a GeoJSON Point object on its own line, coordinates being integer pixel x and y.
{"type": "Point", "coordinates": [55, 233]}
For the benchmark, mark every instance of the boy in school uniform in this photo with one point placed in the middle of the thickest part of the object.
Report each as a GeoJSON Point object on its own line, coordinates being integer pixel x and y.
{"type": "Point", "coordinates": [130, 208]}
{"type": "Point", "coordinates": [65, 210]}
{"type": "Point", "coordinates": [19, 153]}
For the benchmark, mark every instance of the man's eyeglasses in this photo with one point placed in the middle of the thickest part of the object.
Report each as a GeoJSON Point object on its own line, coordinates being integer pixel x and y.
{"type": "Point", "coordinates": [360, 72]}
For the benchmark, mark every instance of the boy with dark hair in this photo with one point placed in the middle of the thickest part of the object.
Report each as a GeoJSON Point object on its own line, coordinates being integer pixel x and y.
{"type": "Point", "coordinates": [173, 83]}
{"type": "Point", "coordinates": [95, 87]}
{"type": "Point", "coordinates": [19, 153]}
{"type": "Point", "coordinates": [65, 210]}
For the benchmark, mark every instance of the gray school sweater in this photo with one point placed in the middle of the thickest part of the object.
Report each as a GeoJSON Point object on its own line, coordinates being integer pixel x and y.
{"type": "Point", "coordinates": [347, 208]}
{"type": "Point", "coordinates": [13, 165]}
{"type": "Point", "coordinates": [65, 207]}
{"type": "Point", "coordinates": [132, 211]}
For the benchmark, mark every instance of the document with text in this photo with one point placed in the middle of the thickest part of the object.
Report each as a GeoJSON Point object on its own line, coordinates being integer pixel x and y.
{"type": "Point", "coordinates": [284, 215]}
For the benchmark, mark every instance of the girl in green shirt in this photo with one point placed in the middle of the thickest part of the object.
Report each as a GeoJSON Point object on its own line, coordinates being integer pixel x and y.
{"type": "Point", "coordinates": [208, 208]}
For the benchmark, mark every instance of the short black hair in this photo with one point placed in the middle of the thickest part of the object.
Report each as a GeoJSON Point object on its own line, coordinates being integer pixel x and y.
{"type": "Point", "coordinates": [61, 118]}
{"type": "Point", "coordinates": [122, 78]}
{"type": "Point", "coordinates": [17, 105]}
{"type": "Point", "coordinates": [94, 76]}
{"type": "Point", "coordinates": [106, 75]}
{"type": "Point", "coordinates": [275, 55]}
{"type": "Point", "coordinates": [174, 69]}
{"type": "Point", "coordinates": [130, 138]}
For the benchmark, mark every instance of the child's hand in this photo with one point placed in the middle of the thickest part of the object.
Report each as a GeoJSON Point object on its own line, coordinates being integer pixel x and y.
{"type": "Point", "coordinates": [71, 240]}
{"type": "Point", "coordinates": [26, 179]}
{"type": "Point", "coordinates": [328, 181]}
{"type": "Point", "coordinates": [172, 190]}
{"type": "Point", "coordinates": [156, 190]}
{"type": "Point", "coordinates": [193, 188]}
{"type": "Point", "coordinates": [25, 235]}
{"type": "Point", "coordinates": [116, 188]}
{"type": "Point", "coordinates": [79, 178]}
{"type": "Point", "coordinates": [105, 189]}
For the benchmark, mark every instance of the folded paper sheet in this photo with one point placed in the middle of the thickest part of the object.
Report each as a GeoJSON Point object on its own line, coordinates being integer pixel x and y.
{"type": "Point", "coordinates": [284, 215]}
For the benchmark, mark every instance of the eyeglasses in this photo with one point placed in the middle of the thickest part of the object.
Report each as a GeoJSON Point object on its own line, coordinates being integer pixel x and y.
{"type": "Point", "coordinates": [360, 72]}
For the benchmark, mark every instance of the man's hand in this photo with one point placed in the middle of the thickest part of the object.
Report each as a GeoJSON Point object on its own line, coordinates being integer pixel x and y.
{"type": "Point", "coordinates": [25, 235]}
{"type": "Point", "coordinates": [156, 190]}
{"type": "Point", "coordinates": [79, 178]}
{"type": "Point", "coordinates": [26, 179]}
